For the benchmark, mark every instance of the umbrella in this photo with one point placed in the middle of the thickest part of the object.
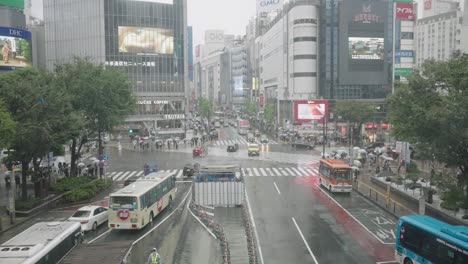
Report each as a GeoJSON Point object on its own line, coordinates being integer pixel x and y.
{"type": "Point", "coordinates": [387, 158]}
{"type": "Point", "coordinates": [357, 163]}
{"type": "Point", "coordinates": [356, 148]}
{"type": "Point", "coordinates": [81, 164]}
{"type": "Point", "coordinates": [362, 151]}
{"type": "Point", "coordinates": [371, 156]}
{"type": "Point", "coordinates": [93, 159]}
{"type": "Point", "coordinates": [355, 168]}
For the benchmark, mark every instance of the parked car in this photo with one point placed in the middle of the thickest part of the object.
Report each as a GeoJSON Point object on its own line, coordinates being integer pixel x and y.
{"type": "Point", "coordinates": [302, 145]}
{"type": "Point", "coordinates": [189, 170]}
{"type": "Point", "coordinates": [233, 148]}
{"type": "Point", "coordinates": [199, 151]}
{"type": "Point", "coordinates": [90, 217]}
{"type": "Point", "coordinates": [257, 133]}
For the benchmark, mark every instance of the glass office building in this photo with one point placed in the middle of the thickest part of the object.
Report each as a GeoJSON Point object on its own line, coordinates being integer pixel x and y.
{"type": "Point", "coordinates": [143, 38]}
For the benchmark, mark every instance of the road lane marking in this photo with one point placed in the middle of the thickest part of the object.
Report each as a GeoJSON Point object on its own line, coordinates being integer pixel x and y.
{"type": "Point", "coordinates": [296, 171]}
{"type": "Point", "coordinates": [254, 227]}
{"type": "Point", "coordinates": [114, 177]}
{"type": "Point", "coordinates": [140, 173]}
{"type": "Point", "coordinates": [122, 176]}
{"type": "Point", "coordinates": [179, 175]}
{"type": "Point", "coordinates": [263, 172]}
{"type": "Point", "coordinates": [290, 171]}
{"type": "Point", "coordinates": [311, 173]}
{"type": "Point", "coordinates": [204, 226]}
{"type": "Point", "coordinates": [130, 175]}
{"type": "Point", "coordinates": [352, 216]}
{"type": "Point", "coordinates": [277, 189]}
{"type": "Point", "coordinates": [276, 172]}
{"type": "Point", "coordinates": [256, 172]}
{"type": "Point", "coordinates": [305, 242]}
{"type": "Point", "coordinates": [304, 173]}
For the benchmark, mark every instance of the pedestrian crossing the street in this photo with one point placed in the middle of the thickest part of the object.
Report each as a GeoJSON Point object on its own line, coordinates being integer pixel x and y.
{"type": "Point", "coordinates": [240, 142]}
{"type": "Point", "coordinates": [248, 172]}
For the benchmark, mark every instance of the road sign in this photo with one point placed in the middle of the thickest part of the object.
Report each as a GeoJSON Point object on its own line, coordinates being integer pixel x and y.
{"type": "Point", "coordinates": [106, 163]}
{"type": "Point", "coordinates": [105, 157]}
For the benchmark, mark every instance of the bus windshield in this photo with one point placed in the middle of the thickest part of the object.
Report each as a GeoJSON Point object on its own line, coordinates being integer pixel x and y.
{"type": "Point", "coordinates": [122, 202]}
{"type": "Point", "coordinates": [342, 174]}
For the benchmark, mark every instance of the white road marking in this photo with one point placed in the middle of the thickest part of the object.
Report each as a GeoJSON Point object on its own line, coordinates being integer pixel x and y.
{"type": "Point", "coordinates": [256, 172]}
{"type": "Point", "coordinates": [276, 172]}
{"type": "Point", "coordinates": [254, 227]}
{"type": "Point", "coordinates": [305, 242]}
{"type": "Point", "coordinates": [117, 177]}
{"type": "Point", "coordinates": [263, 172]}
{"type": "Point", "coordinates": [311, 173]}
{"type": "Point", "coordinates": [179, 175]}
{"type": "Point", "coordinates": [296, 171]}
{"type": "Point", "coordinates": [304, 173]}
{"type": "Point", "coordinates": [140, 173]}
{"type": "Point", "coordinates": [352, 216]}
{"type": "Point", "coordinates": [204, 226]}
{"type": "Point", "coordinates": [277, 189]}
{"type": "Point", "coordinates": [270, 172]}
{"type": "Point", "coordinates": [130, 175]}
{"type": "Point", "coordinates": [290, 171]}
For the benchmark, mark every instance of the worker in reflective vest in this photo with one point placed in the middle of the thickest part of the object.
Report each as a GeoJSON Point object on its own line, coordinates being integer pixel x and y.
{"type": "Point", "coordinates": [154, 257]}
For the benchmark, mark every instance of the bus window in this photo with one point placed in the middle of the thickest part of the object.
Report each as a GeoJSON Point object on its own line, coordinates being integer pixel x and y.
{"type": "Point", "coordinates": [342, 174]}
{"type": "Point", "coordinates": [122, 202]}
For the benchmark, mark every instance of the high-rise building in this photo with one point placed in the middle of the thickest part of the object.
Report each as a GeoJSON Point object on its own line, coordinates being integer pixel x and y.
{"type": "Point", "coordinates": [240, 83]}
{"type": "Point", "coordinates": [435, 7]}
{"type": "Point", "coordinates": [404, 60]}
{"type": "Point", "coordinates": [145, 39]}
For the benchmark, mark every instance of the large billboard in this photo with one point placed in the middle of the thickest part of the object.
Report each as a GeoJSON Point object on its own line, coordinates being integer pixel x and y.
{"type": "Point", "coordinates": [404, 11]}
{"type": "Point", "coordinates": [308, 111]}
{"type": "Point", "coordinates": [13, 3]}
{"type": "Point", "coordinates": [264, 6]}
{"type": "Point", "coordinates": [146, 41]}
{"type": "Point", "coordinates": [364, 55]}
{"type": "Point", "coordinates": [15, 48]}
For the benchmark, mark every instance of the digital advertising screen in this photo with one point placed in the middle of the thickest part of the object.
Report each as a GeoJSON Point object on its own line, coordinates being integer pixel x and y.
{"type": "Point", "coordinates": [15, 48]}
{"type": "Point", "coordinates": [366, 48]}
{"type": "Point", "coordinates": [307, 111]}
{"type": "Point", "coordinates": [146, 41]}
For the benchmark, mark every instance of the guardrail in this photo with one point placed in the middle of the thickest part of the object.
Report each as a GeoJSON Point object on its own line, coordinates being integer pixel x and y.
{"type": "Point", "coordinates": [383, 200]}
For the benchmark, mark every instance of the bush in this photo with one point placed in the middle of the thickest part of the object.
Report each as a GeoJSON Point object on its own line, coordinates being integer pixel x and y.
{"type": "Point", "coordinates": [32, 202]}
{"type": "Point", "coordinates": [86, 191]}
{"type": "Point", "coordinates": [449, 206]}
{"type": "Point", "coordinates": [69, 183]}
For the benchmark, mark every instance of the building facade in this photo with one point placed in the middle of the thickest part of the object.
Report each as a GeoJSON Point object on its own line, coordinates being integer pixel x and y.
{"type": "Point", "coordinates": [145, 39]}
{"type": "Point", "coordinates": [240, 81]}
{"type": "Point", "coordinates": [404, 56]}
{"type": "Point", "coordinates": [435, 7]}
{"type": "Point", "coordinates": [288, 62]}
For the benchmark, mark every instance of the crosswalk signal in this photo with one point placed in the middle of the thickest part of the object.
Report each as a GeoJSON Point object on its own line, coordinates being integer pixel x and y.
{"type": "Point", "coordinates": [130, 131]}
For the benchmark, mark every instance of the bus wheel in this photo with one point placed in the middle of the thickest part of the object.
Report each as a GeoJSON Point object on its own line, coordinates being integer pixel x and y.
{"type": "Point", "coordinates": [151, 218]}
{"type": "Point", "coordinates": [408, 261]}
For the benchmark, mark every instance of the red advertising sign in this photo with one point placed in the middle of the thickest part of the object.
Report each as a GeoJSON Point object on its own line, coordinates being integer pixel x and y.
{"type": "Point", "coordinates": [427, 4]}
{"type": "Point", "coordinates": [307, 111]}
{"type": "Point", "coordinates": [244, 123]}
{"type": "Point", "coordinates": [123, 214]}
{"type": "Point", "coordinates": [261, 100]}
{"type": "Point", "coordinates": [404, 11]}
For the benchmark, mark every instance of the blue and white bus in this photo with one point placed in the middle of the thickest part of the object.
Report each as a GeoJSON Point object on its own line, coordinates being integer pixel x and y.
{"type": "Point", "coordinates": [422, 239]}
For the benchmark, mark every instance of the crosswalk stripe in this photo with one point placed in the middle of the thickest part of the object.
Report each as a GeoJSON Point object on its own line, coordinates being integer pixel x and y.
{"type": "Point", "coordinates": [112, 173]}
{"type": "Point", "coordinates": [263, 172]}
{"type": "Point", "coordinates": [179, 175]}
{"type": "Point", "coordinates": [304, 173]}
{"type": "Point", "coordinates": [121, 176]}
{"type": "Point", "coordinates": [174, 172]}
{"type": "Point", "coordinates": [256, 172]}
{"type": "Point", "coordinates": [276, 171]}
{"type": "Point", "coordinates": [117, 175]}
{"type": "Point", "coordinates": [298, 173]}
{"type": "Point", "coordinates": [290, 171]}
{"type": "Point", "coordinates": [270, 173]}
{"type": "Point", "coordinates": [310, 172]}
{"type": "Point", "coordinates": [315, 170]}
{"type": "Point", "coordinates": [140, 173]}
{"type": "Point", "coordinates": [249, 170]}
{"type": "Point", "coordinates": [130, 175]}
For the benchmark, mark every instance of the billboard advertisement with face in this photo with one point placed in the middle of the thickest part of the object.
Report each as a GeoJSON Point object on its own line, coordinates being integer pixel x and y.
{"type": "Point", "coordinates": [15, 48]}
{"type": "Point", "coordinates": [363, 58]}
{"type": "Point", "coordinates": [143, 41]}
{"type": "Point", "coordinates": [308, 111]}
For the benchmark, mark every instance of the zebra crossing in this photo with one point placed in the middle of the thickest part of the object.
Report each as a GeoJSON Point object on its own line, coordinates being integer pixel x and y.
{"type": "Point", "coordinates": [248, 172]}
{"type": "Point", "coordinates": [240, 142]}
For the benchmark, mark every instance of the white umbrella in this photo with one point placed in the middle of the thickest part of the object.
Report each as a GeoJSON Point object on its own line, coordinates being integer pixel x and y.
{"type": "Point", "coordinates": [371, 156]}
{"type": "Point", "coordinates": [356, 148]}
{"type": "Point", "coordinates": [355, 168]}
{"type": "Point", "coordinates": [81, 164]}
{"type": "Point", "coordinates": [357, 163]}
{"type": "Point", "coordinates": [93, 159]}
{"type": "Point", "coordinates": [387, 158]}
{"type": "Point", "coordinates": [362, 151]}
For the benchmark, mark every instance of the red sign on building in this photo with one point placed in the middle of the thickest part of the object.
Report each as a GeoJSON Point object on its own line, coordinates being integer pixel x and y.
{"type": "Point", "coordinates": [404, 11]}
{"type": "Point", "coordinates": [307, 111]}
{"type": "Point", "coordinates": [427, 4]}
{"type": "Point", "coordinates": [261, 100]}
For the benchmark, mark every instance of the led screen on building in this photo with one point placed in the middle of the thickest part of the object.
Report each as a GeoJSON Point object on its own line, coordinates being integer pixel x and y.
{"type": "Point", "coordinates": [364, 57]}
{"type": "Point", "coordinates": [13, 3]}
{"type": "Point", "coordinates": [307, 111]}
{"type": "Point", "coordinates": [144, 41]}
{"type": "Point", "coordinates": [366, 48]}
{"type": "Point", "coordinates": [15, 48]}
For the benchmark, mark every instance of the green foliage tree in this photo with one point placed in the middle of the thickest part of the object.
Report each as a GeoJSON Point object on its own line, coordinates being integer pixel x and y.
{"type": "Point", "coordinates": [431, 112]}
{"type": "Point", "coordinates": [356, 113]}
{"type": "Point", "coordinates": [40, 111]}
{"type": "Point", "coordinates": [251, 108]}
{"type": "Point", "coordinates": [7, 127]}
{"type": "Point", "coordinates": [269, 113]}
{"type": "Point", "coordinates": [206, 108]}
{"type": "Point", "coordinates": [100, 98]}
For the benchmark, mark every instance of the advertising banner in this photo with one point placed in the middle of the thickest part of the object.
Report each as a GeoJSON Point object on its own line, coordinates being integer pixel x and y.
{"type": "Point", "coordinates": [262, 100]}
{"type": "Point", "coordinates": [404, 11]}
{"type": "Point", "coordinates": [264, 6]}
{"type": "Point", "coordinates": [366, 48]}
{"type": "Point", "coordinates": [15, 48]}
{"type": "Point", "coordinates": [307, 111]}
{"type": "Point", "coordinates": [214, 36]}
{"type": "Point", "coordinates": [427, 4]}
{"type": "Point", "coordinates": [143, 41]}
{"type": "Point", "coordinates": [13, 3]}
{"type": "Point", "coordinates": [403, 71]}
{"type": "Point", "coordinates": [404, 53]}
{"type": "Point", "coordinates": [238, 83]}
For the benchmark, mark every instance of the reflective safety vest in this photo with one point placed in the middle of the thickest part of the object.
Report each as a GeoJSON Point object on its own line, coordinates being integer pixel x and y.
{"type": "Point", "coordinates": [155, 258]}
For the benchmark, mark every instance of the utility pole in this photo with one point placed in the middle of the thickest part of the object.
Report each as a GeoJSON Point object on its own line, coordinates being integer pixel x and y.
{"type": "Point", "coordinates": [324, 124]}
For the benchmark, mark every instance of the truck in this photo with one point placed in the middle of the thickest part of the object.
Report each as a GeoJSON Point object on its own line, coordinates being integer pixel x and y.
{"type": "Point", "coordinates": [253, 150]}
{"type": "Point", "coordinates": [243, 126]}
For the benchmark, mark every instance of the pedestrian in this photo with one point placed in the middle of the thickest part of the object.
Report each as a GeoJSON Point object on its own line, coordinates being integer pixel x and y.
{"type": "Point", "coordinates": [7, 181]}
{"type": "Point", "coordinates": [134, 144]}
{"type": "Point", "coordinates": [60, 167]}
{"type": "Point", "coordinates": [154, 257]}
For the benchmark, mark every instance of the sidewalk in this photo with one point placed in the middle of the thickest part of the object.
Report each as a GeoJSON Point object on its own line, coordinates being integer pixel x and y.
{"type": "Point", "coordinates": [401, 201]}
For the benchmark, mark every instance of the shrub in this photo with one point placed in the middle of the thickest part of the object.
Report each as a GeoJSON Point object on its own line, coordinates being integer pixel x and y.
{"type": "Point", "coordinates": [69, 183]}
{"type": "Point", "coordinates": [86, 191]}
{"type": "Point", "coordinates": [30, 203]}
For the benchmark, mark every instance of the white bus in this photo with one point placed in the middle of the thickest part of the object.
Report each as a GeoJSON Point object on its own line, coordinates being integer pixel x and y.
{"type": "Point", "coordinates": [134, 206]}
{"type": "Point", "coordinates": [42, 243]}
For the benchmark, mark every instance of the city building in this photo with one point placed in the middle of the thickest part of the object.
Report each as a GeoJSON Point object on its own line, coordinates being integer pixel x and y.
{"type": "Point", "coordinates": [145, 39]}
{"type": "Point", "coordinates": [240, 75]}
{"type": "Point", "coordinates": [288, 48]}
{"type": "Point", "coordinates": [435, 7]}
{"type": "Point", "coordinates": [439, 36]}
{"type": "Point", "coordinates": [404, 56]}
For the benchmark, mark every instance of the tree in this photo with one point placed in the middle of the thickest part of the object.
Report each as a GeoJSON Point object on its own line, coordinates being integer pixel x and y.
{"type": "Point", "coordinates": [101, 98]}
{"type": "Point", "coordinates": [430, 112]}
{"type": "Point", "coordinates": [7, 127]}
{"type": "Point", "coordinates": [251, 108]}
{"type": "Point", "coordinates": [356, 113]}
{"type": "Point", "coordinates": [269, 113]}
{"type": "Point", "coordinates": [40, 111]}
{"type": "Point", "coordinates": [206, 108]}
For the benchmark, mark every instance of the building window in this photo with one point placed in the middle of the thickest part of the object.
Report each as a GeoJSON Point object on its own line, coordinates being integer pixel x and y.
{"type": "Point", "coordinates": [305, 21]}
{"type": "Point", "coordinates": [407, 35]}
{"type": "Point", "coordinates": [305, 74]}
{"type": "Point", "coordinates": [300, 39]}
{"type": "Point", "coordinates": [305, 57]}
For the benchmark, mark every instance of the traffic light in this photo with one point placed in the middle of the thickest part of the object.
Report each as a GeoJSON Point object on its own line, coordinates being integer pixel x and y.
{"type": "Point", "coordinates": [130, 131]}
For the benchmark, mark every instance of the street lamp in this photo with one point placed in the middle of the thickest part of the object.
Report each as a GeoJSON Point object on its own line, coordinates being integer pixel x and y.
{"type": "Point", "coordinates": [100, 153]}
